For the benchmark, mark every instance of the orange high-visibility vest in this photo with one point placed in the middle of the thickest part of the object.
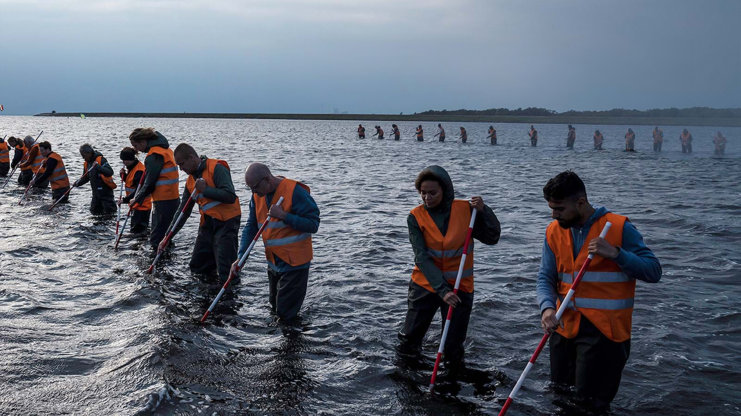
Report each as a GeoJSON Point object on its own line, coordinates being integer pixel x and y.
{"type": "Point", "coordinates": [24, 164]}
{"type": "Point", "coordinates": [166, 187]}
{"type": "Point", "coordinates": [38, 159]}
{"type": "Point", "coordinates": [292, 246]}
{"type": "Point", "coordinates": [605, 294]}
{"type": "Point", "coordinates": [212, 208]}
{"type": "Point", "coordinates": [446, 250]}
{"type": "Point", "coordinates": [58, 179]}
{"type": "Point", "coordinates": [130, 187]}
{"type": "Point", "coordinates": [107, 180]}
{"type": "Point", "coordinates": [4, 153]}
{"type": "Point", "coordinates": [419, 133]}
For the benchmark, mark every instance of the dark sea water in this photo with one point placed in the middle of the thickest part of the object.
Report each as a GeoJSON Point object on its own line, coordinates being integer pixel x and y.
{"type": "Point", "coordinates": [86, 331]}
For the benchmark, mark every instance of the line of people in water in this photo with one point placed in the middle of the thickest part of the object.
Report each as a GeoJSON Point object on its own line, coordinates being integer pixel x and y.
{"type": "Point", "coordinates": [589, 346]}
{"type": "Point", "coordinates": [685, 137]}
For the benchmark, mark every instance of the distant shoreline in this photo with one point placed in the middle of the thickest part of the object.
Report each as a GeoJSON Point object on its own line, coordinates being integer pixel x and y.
{"type": "Point", "coordinates": [553, 119]}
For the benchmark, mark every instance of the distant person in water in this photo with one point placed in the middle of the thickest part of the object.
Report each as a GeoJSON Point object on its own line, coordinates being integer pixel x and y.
{"type": "Point", "coordinates": [379, 132]}
{"type": "Point", "coordinates": [590, 344]}
{"type": "Point", "coordinates": [571, 137]}
{"type": "Point", "coordinates": [361, 131]}
{"type": "Point", "coordinates": [437, 231]}
{"type": "Point", "coordinates": [492, 135]}
{"type": "Point", "coordinates": [720, 144]}
{"type": "Point", "coordinates": [630, 141]}
{"type": "Point", "coordinates": [395, 131]}
{"type": "Point", "coordinates": [464, 135]}
{"type": "Point", "coordinates": [18, 151]}
{"type": "Point", "coordinates": [598, 140]}
{"type": "Point", "coordinates": [31, 162]}
{"type": "Point", "coordinates": [686, 139]}
{"type": "Point", "coordinates": [100, 177]}
{"type": "Point", "coordinates": [420, 134]}
{"type": "Point", "coordinates": [533, 136]}
{"type": "Point", "coordinates": [440, 132]}
{"type": "Point", "coordinates": [658, 136]}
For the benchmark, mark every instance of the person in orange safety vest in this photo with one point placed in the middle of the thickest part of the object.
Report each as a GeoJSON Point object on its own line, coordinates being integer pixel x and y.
{"type": "Point", "coordinates": [162, 181]}
{"type": "Point", "coordinates": [53, 172]}
{"type": "Point", "coordinates": [101, 181]}
{"type": "Point", "coordinates": [287, 237]}
{"type": "Point", "coordinates": [437, 232]}
{"type": "Point", "coordinates": [590, 345]}
{"type": "Point", "coordinates": [132, 174]}
{"type": "Point", "coordinates": [31, 163]}
{"type": "Point", "coordinates": [4, 158]}
{"type": "Point", "coordinates": [215, 248]}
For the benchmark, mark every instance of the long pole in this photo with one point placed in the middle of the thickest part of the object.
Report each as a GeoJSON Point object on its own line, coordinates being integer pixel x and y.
{"type": "Point", "coordinates": [128, 214]}
{"type": "Point", "coordinates": [450, 308]}
{"type": "Point", "coordinates": [171, 231]}
{"type": "Point", "coordinates": [70, 188]}
{"type": "Point", "coordinates": [120, 197]}
{"type": "Point", "coordinates": [22, 160]}
{"type": "Point", "coordinates": [559, 313]}
{"type": "Point", "coordinates": [240, 264]}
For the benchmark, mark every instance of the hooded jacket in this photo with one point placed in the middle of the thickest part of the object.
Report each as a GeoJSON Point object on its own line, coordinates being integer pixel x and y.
{"type": "Point", "coordinates": [486, 229]}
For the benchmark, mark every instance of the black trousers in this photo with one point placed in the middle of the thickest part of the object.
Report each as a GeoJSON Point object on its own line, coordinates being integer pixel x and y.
{"type": "Point", "coordinates": [139, 221]}
{"type": "Point", "coordinates": [657, 146]}
{"type": "Point", "coordinates": [533, 142]}
{"type": "Point", "coordinates": [687, 148]}
{"type": "Point", "coordinates": [41, 184]}
{"type": "Point", "coordinates": [24, 178]}
{"type": "Point", "coordinates": [422, 305]}
{"type": "Point", "coordinates": [216, 247]}
{"type": "Point", "coordinates": [162, 216]}
{"type": "Point", "coordinates": [4, 169]}
{"type": "Point", "coordinates": [590, 362]}
{"type": "Point", "coordinates": [102, 201]}
{"type": "Point", "coordinates": [287, 291]}
{"type": "Point", "coordinates": [57, 193]}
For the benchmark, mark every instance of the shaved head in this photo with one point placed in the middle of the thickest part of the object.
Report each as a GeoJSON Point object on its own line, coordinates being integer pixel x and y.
{"type": "Point", "coordinates": [255, 172]}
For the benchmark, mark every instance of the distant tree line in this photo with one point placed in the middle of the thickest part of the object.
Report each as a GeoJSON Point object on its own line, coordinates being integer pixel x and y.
{"type": "Point", "coordinates": [615, 112]}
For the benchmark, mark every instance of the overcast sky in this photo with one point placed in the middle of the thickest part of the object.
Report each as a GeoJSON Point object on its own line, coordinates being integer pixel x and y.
{"type": "Point", "coordinates": [367, 56]}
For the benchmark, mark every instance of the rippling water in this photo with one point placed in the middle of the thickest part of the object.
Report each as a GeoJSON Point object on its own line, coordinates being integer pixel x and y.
{"type": "Point", "coordinates": [85, 330]}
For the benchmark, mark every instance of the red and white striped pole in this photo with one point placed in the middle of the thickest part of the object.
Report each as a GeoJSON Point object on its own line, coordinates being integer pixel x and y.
{"type": "Point", "coordinates": [242, 260]}
{"type": "Point", "coordinates": [559, 313]}
{"type": "Point", "coordinates": [455, 291]}
{"type": "Point", "coordinates": [128, 214]}
{"type": "Point", "coordinates": [120, 197]}
{"type": "Point", "coordinates": [170, 230]}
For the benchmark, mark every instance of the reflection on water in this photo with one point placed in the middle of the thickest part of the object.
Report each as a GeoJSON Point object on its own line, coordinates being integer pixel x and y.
{"type": "Point", "coordinates": [85, 330]}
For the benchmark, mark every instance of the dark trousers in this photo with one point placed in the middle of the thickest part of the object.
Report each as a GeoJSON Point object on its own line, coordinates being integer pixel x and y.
{"type": "Point", "coordinates": [590, 362]}
{"type": "Point", "coordinates": [687, 148]}
{"type": "Point", "coordinates": [162, 216]}
{"type": "Point", "coordinates": [41, 184]}
{"type": "Point", "coordinates": [493, 140]}
{"type": "Point", "coordinates": [533, 142]}
{"type": "Point", "coordinates": [4, 169]}
{"type": "Point", "coordinates": [102, 201]}
{"type": "Point", "coordinates": [139, 221]}
{"type": "Point", "coordinates": [24, 178]}
{"type": "Point", "coordinates": [657, 146]}
{"type": "Point", "coordinates": [57, 193]}
{"type": "Point", "coordinates": [570, 143]}
{"type": "Point", "coordinates": [216, 247]}
{"type": "Point", "coordinates": [422, 305]}
{"type": "Point", "coordinates": [287, 291]}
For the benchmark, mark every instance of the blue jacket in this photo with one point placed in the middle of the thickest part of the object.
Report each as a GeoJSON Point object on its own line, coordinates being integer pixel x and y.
{"type": "Point", "coordinates": [304, 217]}
{"type": "Point", "coordinates": [635, 259]}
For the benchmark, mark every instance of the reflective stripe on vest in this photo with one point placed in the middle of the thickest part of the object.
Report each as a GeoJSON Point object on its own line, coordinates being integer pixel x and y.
{"type": "Point", "coordinates": [446, 250]}
{"type": "Point", "coordinates": [166, 187]}
{"type": "Point", "coordinates": [603, 277]}
{"type": "Point", "coordinates": [605, 294]}
{"type": "Point", "coordinates": [4, 153]}
{"type": "Point", "coordinates": [281, 240]}
{"type": "Point", "coordinates": [206, 206]}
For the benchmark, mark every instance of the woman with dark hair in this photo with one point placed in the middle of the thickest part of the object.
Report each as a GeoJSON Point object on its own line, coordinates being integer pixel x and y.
{"type": "Point", "coordinates": [437, 231]}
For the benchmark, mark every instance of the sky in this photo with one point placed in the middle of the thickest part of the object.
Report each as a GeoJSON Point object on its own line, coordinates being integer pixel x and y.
{"type": "Point", "coordinates": [366, 56]}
